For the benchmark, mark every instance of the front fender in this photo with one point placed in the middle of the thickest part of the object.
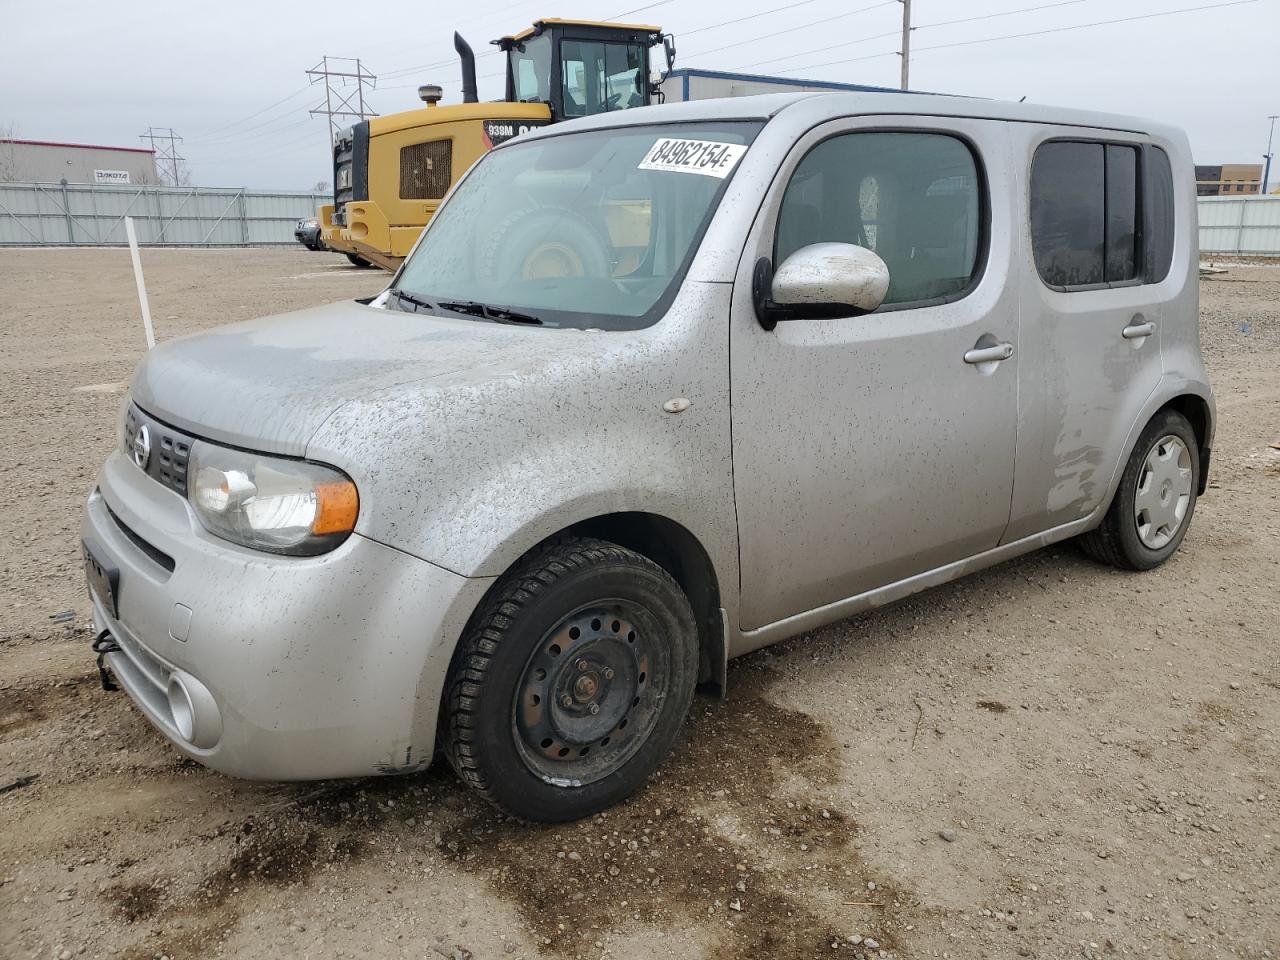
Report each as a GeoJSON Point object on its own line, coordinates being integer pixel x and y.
{"type": "Point", "coordinates": [470, 467]}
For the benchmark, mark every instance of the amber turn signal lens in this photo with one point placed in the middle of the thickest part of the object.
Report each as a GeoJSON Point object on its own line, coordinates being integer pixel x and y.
{"type": "Point", "coordinates": [337, 505]}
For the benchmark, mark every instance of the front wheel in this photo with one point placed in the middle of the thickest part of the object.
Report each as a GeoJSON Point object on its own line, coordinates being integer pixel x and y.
{"type": "Point", "coordinates": [572, 682]}
{"type": "Point", "coordinates": [358, 261]}
{"type": "Point", "coordinates": [1155, 500]}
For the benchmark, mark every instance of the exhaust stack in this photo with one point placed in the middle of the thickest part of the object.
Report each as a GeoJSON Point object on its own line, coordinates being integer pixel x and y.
{"type": "Point", "coordinates": [470, 93]}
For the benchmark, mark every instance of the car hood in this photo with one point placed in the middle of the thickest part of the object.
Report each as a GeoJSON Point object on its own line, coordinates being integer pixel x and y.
{"type": "Point", "coordinates": [269, 384]}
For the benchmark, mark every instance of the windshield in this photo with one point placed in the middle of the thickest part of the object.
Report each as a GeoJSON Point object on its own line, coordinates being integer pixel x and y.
{"type": "Point", "coordinates": [531, 70]}
{"type": "Point", "coordinates": [583, 230]}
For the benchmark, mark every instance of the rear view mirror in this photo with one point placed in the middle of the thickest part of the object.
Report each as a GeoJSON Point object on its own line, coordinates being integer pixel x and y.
{"type": "Point", "coordinates": [822, 280]}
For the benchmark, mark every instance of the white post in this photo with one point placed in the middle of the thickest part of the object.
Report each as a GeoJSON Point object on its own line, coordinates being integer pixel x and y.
{"type": "Point", "coordinates": [142, 285]}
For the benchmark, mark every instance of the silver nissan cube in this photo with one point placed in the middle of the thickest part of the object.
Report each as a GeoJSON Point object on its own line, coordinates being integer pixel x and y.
{"type": "Point", "coordinates": [653, 390]}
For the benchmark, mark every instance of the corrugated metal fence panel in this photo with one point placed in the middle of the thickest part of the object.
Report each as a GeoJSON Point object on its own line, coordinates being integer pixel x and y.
{"type": "Point", "coordinates": [81, 213]}
{"type": "Point", "coordinates": [1247, 225]}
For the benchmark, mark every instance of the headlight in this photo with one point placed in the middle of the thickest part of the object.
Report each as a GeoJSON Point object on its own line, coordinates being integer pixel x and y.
{"type": "Point", "coordinates": [268, 503]}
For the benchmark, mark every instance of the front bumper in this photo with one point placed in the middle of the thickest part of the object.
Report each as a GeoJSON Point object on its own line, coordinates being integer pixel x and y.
{"type": "Point", "coordinates": [328, 666]}
{"type": "Point", "coordinates": [370, 232]}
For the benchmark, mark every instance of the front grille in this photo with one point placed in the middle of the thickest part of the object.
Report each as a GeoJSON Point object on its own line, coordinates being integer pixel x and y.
{"type": "Point", "coordinates": [350, 169]}
{"type": "Point", "coordinates": [342, 171]}
{"type": "Point", "coordinates": [425, 170]}
{"type": "Point", "coordinates": [164, 454]}
{"type": "Point", "coordinates": [153, 553]}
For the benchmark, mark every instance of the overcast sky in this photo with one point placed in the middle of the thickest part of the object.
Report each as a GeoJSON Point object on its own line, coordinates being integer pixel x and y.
{"type": "Point", "coordinates": [230, 77]}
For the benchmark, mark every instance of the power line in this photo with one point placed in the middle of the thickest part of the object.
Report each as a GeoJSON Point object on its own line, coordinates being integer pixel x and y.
{"type": "Point", "coordinates": [248, 133]}
{"type": "Point", "coordinates": [805, 26]}
{"type": "Point", "coordinates": [1096, 23]}
{"type": "Point", "coordinates": [627, 13]}
{"type": "Point", "coordinates": [257, 113]}
{"type": "Point", "coordinates": [766, 13]}
{"type": "Point", "coordinates": [238, 142]}
{"type": "Point", "coordinates": [1016, 36]}
{"type": "Point", "coordinates": [1002, 13]}
{"type": "Point", "coordinates": [916, 28]}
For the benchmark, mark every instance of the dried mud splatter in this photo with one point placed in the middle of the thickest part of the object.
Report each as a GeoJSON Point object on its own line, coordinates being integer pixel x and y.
{"type": "Point", "coordinates": [678, 850]}
{"type": "Point", "coordinates": [733, 836]}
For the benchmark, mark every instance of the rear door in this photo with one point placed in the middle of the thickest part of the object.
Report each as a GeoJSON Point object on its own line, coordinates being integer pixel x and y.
{"type": "Point", "coordinates": [1098, 231]}
{"type": "Point", "coordinates": [867, 449]}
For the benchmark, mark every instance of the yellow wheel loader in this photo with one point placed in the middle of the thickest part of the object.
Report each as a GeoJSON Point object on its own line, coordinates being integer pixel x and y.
{"type": "Point", "coordinates": [390, 172]}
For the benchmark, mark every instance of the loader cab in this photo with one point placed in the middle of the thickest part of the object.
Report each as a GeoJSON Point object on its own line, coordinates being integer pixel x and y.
{"type": "Point", "coordinates": [580, 68]}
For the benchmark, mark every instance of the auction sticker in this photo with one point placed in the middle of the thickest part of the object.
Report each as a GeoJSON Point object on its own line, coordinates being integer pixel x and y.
{"type": "Point", "coordinates": [707, 157]}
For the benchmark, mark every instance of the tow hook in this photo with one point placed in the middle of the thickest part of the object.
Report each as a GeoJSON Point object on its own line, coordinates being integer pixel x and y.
{"type": "Point", "coordinates": [103, 644]}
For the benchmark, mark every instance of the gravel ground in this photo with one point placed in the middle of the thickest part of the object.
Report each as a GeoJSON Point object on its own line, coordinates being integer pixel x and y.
{"type": "Point", "coordinates": [1049, 759]}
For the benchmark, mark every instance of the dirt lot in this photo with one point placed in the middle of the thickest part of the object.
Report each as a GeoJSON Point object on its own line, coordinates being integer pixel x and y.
{"type": "Point", "coordinates": [1051, 759]}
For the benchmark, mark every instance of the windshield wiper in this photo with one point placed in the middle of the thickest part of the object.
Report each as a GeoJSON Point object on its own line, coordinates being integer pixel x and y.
{"type": "Point", "coordinates": [489, 311]}
{"type": "Point", "coordinates": [409, 298]}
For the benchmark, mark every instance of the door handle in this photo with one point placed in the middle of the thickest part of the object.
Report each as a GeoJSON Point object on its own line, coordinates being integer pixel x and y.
{"type": "Point", "coordinates": [1001, 351]}
{"type": "Point", "coordinates": [1136, 331]}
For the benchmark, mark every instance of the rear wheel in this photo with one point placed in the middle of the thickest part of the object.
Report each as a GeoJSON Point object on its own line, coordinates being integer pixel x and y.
{"type": "Point", "coordinates": [358, 261]}
{"type": "Point", "coordinates": [572, 682]}
{"type": "Point", "coordinates": [1156, 498]}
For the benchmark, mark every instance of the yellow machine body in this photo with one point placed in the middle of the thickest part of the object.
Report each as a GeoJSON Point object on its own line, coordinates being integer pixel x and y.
{"type": "Point", "coordinates": [413, 159]}
{"type": "Point", "coordinates": [390, 173]}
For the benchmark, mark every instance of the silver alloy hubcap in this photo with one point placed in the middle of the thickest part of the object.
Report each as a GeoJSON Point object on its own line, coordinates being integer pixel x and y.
{"type": "Point", "coordinates": [1164, 492]}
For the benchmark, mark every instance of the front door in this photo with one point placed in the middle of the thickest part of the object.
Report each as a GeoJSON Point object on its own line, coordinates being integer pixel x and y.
{"type": "Point", "coordinates": [870, 449]}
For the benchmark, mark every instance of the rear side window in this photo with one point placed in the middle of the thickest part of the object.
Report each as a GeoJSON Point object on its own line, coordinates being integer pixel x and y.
{"type": "Point", "coordinates": [1159, 214]}
{"type": "Point", "coordinates": [1121, 205]}
{"type": "Point", "coordinates": [1101, 213]}
{"type": "Point", "coordinates": [916, 199]}
{"type": "Point", "coordinates": [1068, 225]}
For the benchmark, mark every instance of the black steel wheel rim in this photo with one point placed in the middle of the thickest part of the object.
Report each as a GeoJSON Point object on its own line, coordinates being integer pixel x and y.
{"type": "Point", "coordinates": [591, 692]}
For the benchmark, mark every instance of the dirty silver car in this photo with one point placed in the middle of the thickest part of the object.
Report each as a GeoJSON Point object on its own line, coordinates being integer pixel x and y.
{"type": "Point", "coordinates": [654, 390]}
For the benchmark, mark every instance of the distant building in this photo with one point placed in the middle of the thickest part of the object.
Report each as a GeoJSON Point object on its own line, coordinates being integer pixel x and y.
{"type": "Point", "coordinates": [1229, 179]}
{"type": "Point", "coordinates": [41, 161]}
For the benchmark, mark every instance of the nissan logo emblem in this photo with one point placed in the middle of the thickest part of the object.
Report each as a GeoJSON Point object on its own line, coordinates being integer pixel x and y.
{"type": "Point", "coordinates": [142, 447]}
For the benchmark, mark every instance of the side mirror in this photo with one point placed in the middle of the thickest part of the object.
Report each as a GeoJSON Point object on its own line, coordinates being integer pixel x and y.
{"type": "Point", "coordinates": [669, 48]}
{"type": "Point", "coordinates": [822, 280]}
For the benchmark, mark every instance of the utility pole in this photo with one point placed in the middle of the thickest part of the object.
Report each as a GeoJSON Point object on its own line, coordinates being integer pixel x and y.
{"type": "Point", "coordinates": [1266, 170]}
{"type": "Point", "coordinates": [344, 87]}
{"type": "Point", "coordinates": [164, 144]}
{"type": "Point", "coordinates": [905, 52]}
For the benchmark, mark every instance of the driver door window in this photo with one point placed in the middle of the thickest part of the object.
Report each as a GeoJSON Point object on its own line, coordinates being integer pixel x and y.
{"type": "Point", "coordinates": [913, 198]}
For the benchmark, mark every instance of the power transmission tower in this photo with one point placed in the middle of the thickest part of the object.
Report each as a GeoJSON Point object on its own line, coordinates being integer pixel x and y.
{"type": "Point", "coordinates": [905, 52]}
{"type": "Point", "coordinates": [344, 88]}
{"type": "Point", "coordinates": [164, 144]}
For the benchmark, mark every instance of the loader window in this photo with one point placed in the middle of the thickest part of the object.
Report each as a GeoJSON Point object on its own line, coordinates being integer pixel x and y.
{"type": "Point", "coordinates": [585, 230]}
{"type": "Point", "coordinates": [601, 77]}
{"type": "Point", "coordinates": [531, 70]}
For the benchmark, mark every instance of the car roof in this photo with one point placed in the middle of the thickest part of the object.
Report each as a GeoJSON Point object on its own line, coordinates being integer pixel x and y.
{"type": "Point", "coordinates": [822, 105]}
